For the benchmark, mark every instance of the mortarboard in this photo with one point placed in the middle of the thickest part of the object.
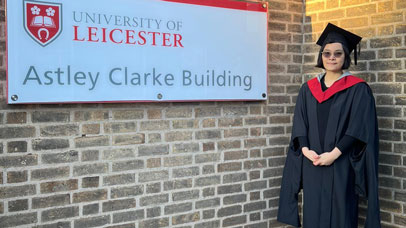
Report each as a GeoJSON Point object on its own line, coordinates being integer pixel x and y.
{"type": "Point", "coordinates": [332, 34]}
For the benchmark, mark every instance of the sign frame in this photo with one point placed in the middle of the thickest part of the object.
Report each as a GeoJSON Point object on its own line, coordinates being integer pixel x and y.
{"type": "Point", "coordinates": [225, 4]}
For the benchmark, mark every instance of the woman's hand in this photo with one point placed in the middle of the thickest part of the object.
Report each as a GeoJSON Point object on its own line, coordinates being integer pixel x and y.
{"type": "Point", "coordinates": [310, 154]}
{"type": "Point", "coordinates": [327, 158]}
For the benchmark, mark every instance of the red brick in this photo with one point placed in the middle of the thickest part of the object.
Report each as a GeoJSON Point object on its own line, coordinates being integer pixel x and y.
{"type": "Point", "coordinates": [16, 117]}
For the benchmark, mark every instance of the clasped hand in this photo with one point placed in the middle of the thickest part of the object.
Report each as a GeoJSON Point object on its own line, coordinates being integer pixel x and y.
{"type": "Point", "coordinates": [323, 159]}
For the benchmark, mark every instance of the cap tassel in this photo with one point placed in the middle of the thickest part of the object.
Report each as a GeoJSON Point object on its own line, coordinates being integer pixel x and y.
{"type": "Point", "coordinates": [356, 54]}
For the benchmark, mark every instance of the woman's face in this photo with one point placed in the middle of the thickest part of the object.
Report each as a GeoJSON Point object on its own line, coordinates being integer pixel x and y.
{"type": "Point", "coordinates": [333, 57]}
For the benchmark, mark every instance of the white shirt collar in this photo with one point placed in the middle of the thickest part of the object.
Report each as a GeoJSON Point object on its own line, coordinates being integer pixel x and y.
{"type": "Point", "coordinates": [345, 74]}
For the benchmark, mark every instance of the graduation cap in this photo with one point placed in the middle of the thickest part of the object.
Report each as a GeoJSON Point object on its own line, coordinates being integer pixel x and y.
{"type": "Point", "coordinates": [333, 34]}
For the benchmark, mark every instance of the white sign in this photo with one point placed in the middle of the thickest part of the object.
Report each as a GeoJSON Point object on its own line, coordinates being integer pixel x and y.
{"type": "Point", "coordinates": [92, 51]}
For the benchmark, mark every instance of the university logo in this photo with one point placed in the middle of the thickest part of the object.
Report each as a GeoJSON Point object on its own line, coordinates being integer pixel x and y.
{"type": "Point", "coordinates": [42, 21]}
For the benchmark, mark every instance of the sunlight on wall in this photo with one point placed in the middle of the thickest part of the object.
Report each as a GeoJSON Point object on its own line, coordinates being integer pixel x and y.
{"type": "Point", "coordinates": [367, 18]}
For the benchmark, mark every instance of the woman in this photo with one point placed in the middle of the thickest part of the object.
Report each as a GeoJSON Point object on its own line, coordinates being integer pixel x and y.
{"type": "Point", "coordinates": [333, 153]}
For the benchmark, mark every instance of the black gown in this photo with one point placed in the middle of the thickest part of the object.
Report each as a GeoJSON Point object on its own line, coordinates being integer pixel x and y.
{"type": "Point", "coordinates": [330, 193]}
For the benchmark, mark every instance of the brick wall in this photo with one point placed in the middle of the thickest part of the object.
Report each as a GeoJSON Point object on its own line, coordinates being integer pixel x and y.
{"type": "Point", "coordinates": [382, 63]}
{"type": "Point", "coordinates": [195, 165]}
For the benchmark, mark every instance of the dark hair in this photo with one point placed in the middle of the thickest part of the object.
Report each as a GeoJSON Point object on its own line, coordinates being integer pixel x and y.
{"type": "Point", "coordinates": [347, 59]}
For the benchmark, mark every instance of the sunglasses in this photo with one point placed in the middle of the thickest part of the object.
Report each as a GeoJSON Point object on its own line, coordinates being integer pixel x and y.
{"type": "Point", "coordinates": [327, 54]}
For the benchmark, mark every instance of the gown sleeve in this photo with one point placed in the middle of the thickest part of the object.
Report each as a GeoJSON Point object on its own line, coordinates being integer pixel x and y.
{"type": "Point", "coordinates": [346, 143]}
{"type": "Point", "coordinates": [288, 211]}
{"type": "Point", "coordinates": [364, 158]}
{"type": "Point", "coordinates": [303, 142]}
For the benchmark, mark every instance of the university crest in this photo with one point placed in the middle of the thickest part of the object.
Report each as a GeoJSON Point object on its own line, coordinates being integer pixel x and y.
{"type": "Point", "coordinates": [42, 21]}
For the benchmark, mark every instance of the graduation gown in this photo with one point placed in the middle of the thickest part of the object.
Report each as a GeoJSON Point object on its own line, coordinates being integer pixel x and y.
{"type": "Point", "coordinates": [330, 193]}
